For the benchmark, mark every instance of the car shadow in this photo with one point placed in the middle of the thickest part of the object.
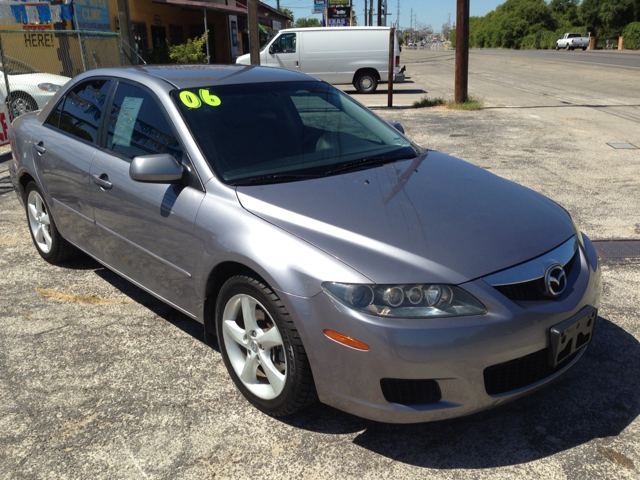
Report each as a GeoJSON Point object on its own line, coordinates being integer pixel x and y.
{"type": "Point", "coordinates": [178, 319]}
{"type": "Point", "coordinates": [598, 397]}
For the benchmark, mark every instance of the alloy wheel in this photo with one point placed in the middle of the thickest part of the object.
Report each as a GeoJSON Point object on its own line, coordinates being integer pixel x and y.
{"type": "Point", "coordinates": [254, 346]}
{"type": "Point", "coordinates": [39, 221]}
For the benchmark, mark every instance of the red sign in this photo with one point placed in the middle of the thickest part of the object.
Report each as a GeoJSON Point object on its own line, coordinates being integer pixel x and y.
{"type": "Point", "coordinates": [4, 136]}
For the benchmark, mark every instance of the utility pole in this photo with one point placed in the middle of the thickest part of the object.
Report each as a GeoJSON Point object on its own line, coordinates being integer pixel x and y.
{"type": "Point", "coordinates": [254, 37]}
{"type": "Point", "coordinates": [462, 51]}
{"type": "Point", "coordinates": [350, 13]}
{"type": "Point", "coordinates": [379, 13]}
{"type": "Point", "coordinates": [371, 13]}
{"type": "Point", "coordinates": [398, 17]}
{"type": "Point", "coordinates": [278, 5]}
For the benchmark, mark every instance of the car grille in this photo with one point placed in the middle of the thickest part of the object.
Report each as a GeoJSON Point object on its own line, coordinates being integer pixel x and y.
{"type": "Point", "coordinates": [520, 372]}
{"type": "Point", "coordinates": [533, 289]}
{"type": "Point", "coordinates": [410, 392]}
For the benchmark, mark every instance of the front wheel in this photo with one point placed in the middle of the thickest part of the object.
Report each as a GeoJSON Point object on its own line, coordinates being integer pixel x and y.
{"type": "Point", "coordinates": [21, 103]}
{"type": "Point", "coordinates": [557, 47]}
{"type": "Point", "coordinates": [366, 82]}
{"type": "Point", "coordinates": [50, 244]}
{"type": "Point", "coordinates": [262, 349]}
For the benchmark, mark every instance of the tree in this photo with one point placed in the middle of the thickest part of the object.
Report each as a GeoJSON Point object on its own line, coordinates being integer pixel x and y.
{"type": "Point", "coordinates": [307, 22]}
{"type": "Point", "coordinates": [288, 11]}
{"type": "Point", "coordinates": [190, 52]}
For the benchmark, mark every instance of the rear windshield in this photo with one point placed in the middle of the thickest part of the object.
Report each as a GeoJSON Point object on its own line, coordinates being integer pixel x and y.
{"type": "Point", "coordinates": [285, 129]}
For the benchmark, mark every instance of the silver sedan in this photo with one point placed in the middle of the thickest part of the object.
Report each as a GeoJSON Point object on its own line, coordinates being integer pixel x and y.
{"type": "Point", "coordinates": [329, 256]}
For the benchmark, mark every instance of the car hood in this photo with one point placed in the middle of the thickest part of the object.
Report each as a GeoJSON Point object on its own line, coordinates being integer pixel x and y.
{"type": "Point", "coordinates": [37, 78]}
{"type": "Point", "coordinates": [432, 219]}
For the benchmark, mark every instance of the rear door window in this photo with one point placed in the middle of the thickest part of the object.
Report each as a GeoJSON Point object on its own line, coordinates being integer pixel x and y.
{"type": "Point", "coordinates": [82, 109]}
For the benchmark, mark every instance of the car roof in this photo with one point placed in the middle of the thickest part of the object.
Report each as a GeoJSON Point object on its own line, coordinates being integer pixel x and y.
{"type": "Point", "coordinates": [189, 76]}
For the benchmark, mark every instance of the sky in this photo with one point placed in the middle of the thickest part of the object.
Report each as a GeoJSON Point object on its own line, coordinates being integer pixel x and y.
{"type": "Point", "coordinates": [429, 12]}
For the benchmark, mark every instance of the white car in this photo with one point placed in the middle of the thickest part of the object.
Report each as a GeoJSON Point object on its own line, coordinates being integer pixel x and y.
{"type": "Point", "coordinates": [29, 88]}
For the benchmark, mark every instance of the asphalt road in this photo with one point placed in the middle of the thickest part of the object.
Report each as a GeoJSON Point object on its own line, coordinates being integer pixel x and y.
{"type": "Point", "coordinates": [622, 58]}
{"type": "Point", "coordinates": [124, 387]}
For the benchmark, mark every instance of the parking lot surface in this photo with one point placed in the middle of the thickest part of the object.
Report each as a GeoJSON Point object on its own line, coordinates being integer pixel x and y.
{"type": "Point", "coordinates": [98, 379]}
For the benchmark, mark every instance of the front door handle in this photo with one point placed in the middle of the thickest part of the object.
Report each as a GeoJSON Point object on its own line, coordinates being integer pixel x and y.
{"type": "Point", "coordinates": [102, 180]}
{"type": "Point", "coordinates": [39, 147]}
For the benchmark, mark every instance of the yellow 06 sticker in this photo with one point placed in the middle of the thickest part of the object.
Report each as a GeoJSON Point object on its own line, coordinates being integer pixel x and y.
{"type": "Point", "coordinates": [192, 100]}
{"type": "Point", "coordinates": [208, 98]}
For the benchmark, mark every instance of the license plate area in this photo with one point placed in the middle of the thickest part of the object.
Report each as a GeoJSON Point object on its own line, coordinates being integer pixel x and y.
{"type": "Point", "coordinates": [571, 335]}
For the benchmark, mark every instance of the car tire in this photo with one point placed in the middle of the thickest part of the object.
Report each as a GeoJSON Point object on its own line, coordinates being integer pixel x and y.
{"type": "Point", "coordinates": [21, 103]}
{"type": "Point", "coordinates": [263, 353]}
{"type": "Point", "coordinates": [557, 47]}
{"type": "Point", "coordinates": [50, 244]}
{"type": "Point", "coordinates": [584, 48]}
{"type": "Point", "coordinates": [366, 82]}
{"type": "Point", "coordinates": [568, 47]}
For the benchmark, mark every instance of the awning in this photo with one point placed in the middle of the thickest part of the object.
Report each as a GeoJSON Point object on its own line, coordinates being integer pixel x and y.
{"type": "Point", "coordinates": [199, 5]}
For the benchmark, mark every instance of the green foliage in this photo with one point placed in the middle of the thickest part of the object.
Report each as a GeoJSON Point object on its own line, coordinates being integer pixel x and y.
{"type": "Point", "coordinates": [453, 38]}
{"type": "Point", "coordinates": [190, 52]}
{"type": "Point", "coordinates": [307, 22]}
{"type": "Point", "coordinates": [429, 102]}
{"type": "Point", "coordinates": [471, 103]}
{"type": "Point", "coordinates": [288, 11]}
{"type": "Point", "coordinates": [160, 55]}
{"type": "Point", "coordinates": [631, 35]}
{"type": "Point", "coordinates": [536, 24]}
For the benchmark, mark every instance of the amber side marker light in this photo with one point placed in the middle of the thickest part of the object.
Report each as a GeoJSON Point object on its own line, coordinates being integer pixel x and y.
{"type": "Point", "coordinates": [348, 341]}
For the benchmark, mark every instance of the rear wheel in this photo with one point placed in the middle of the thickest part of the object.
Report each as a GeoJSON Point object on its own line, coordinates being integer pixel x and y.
{"type": "Point", "coordinates": [584, 48]}
{"type": "Point", "coordinates": [262, 349]}
{"type": "Point", "coordinates": [366, 82]}
{"type": "Point", "coordinates": [568, 47]}
{"type": "Point", "coordinates": [44, 233]}
{"type": "Point", "coordinates": [557, 47]}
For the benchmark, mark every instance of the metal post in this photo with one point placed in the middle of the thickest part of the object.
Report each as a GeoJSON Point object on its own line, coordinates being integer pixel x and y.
{"type": "Point", "coordinates": [392, 50]}
{"type": "Point", "coordinates": [254, 38]}
{"type": "Point", "coordinates": [379, 12]}
{"type": "Point", "coordinates": [120, 47]}
{"type": "Point", "coordinates": [206, 35]}
{"type": "Point", "coordinates": [81, 43]}
{"type": "Point", "coordinates": [462, 51]}
{"type": "Point", "coordinates": [6, 83]}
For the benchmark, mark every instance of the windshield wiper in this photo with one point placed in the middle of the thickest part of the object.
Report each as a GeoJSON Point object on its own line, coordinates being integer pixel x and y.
{"type": "Point", "coordinates": [272, 178]}
{"type": "Point", "coordinates": [367, 161]}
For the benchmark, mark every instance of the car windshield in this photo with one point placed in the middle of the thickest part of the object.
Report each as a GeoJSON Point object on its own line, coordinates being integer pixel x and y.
{"type": "Point", "coordinates": [286, 131]}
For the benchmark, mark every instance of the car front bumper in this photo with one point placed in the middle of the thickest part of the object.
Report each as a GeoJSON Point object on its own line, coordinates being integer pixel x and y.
{"type": "Point", "coordinates": [452, 351]}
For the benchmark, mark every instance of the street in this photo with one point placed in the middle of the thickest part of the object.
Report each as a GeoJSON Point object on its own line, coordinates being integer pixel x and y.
{"type": "Point", "coordinates": [98, 379]}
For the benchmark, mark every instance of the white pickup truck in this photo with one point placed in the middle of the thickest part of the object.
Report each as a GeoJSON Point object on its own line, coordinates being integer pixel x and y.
{"type": "Point", "coordinates": [571, 41]}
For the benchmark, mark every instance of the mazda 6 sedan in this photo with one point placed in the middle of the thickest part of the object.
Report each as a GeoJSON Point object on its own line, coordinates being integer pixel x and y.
{"type": "Point", "coordinates": [330, 256]}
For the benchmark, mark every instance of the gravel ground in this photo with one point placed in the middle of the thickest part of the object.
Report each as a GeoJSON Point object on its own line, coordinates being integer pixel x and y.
{"type": "Point", "coordinates": [125, 387]}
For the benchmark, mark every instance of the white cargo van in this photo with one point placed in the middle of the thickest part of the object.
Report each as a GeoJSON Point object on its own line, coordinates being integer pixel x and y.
{"type": "Point", "coordinates": [338, 55]}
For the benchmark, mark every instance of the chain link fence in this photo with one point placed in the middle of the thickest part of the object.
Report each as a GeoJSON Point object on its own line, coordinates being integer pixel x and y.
{"type": "Point", "coordinates": [36, 63]}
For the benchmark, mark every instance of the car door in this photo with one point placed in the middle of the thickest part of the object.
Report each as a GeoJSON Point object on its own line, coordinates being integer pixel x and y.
{"type": "Point", "coordinates": [147, 229]}
{"type": "Point", "coordinates": [64, 147]}
{"type": "Point", "coordinates": [285, 52]}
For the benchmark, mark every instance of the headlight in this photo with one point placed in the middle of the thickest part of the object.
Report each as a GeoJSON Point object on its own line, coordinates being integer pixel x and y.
{"type": "Point", "coordinates": [48, 87]}
{"type": "Point", "coordinates": [406, 301]}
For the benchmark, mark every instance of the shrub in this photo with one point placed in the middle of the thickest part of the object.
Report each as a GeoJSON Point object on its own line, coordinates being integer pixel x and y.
{"type": "Point", "coordinates": [631, 34]}
{"type": "Point", "coordinates": [190, 52]}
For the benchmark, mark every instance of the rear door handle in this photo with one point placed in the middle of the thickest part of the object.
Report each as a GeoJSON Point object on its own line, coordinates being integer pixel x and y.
{"type": "Point", "coordinates": [102, 180]}
{"type": "Point", "coordinates": [39, 147]}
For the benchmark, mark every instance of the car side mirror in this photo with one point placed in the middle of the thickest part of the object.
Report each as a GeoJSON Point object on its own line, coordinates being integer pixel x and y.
{"type": "Point", "coordinates": [159, 168]}
{"type": "Point", "coordinates": [271, 50]}
{"type": "Point", "coordinates": [397, 126]}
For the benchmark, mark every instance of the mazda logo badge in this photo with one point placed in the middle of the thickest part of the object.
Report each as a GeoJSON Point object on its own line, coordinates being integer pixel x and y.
{"type": "Point", "coordinates": [555, 280]}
